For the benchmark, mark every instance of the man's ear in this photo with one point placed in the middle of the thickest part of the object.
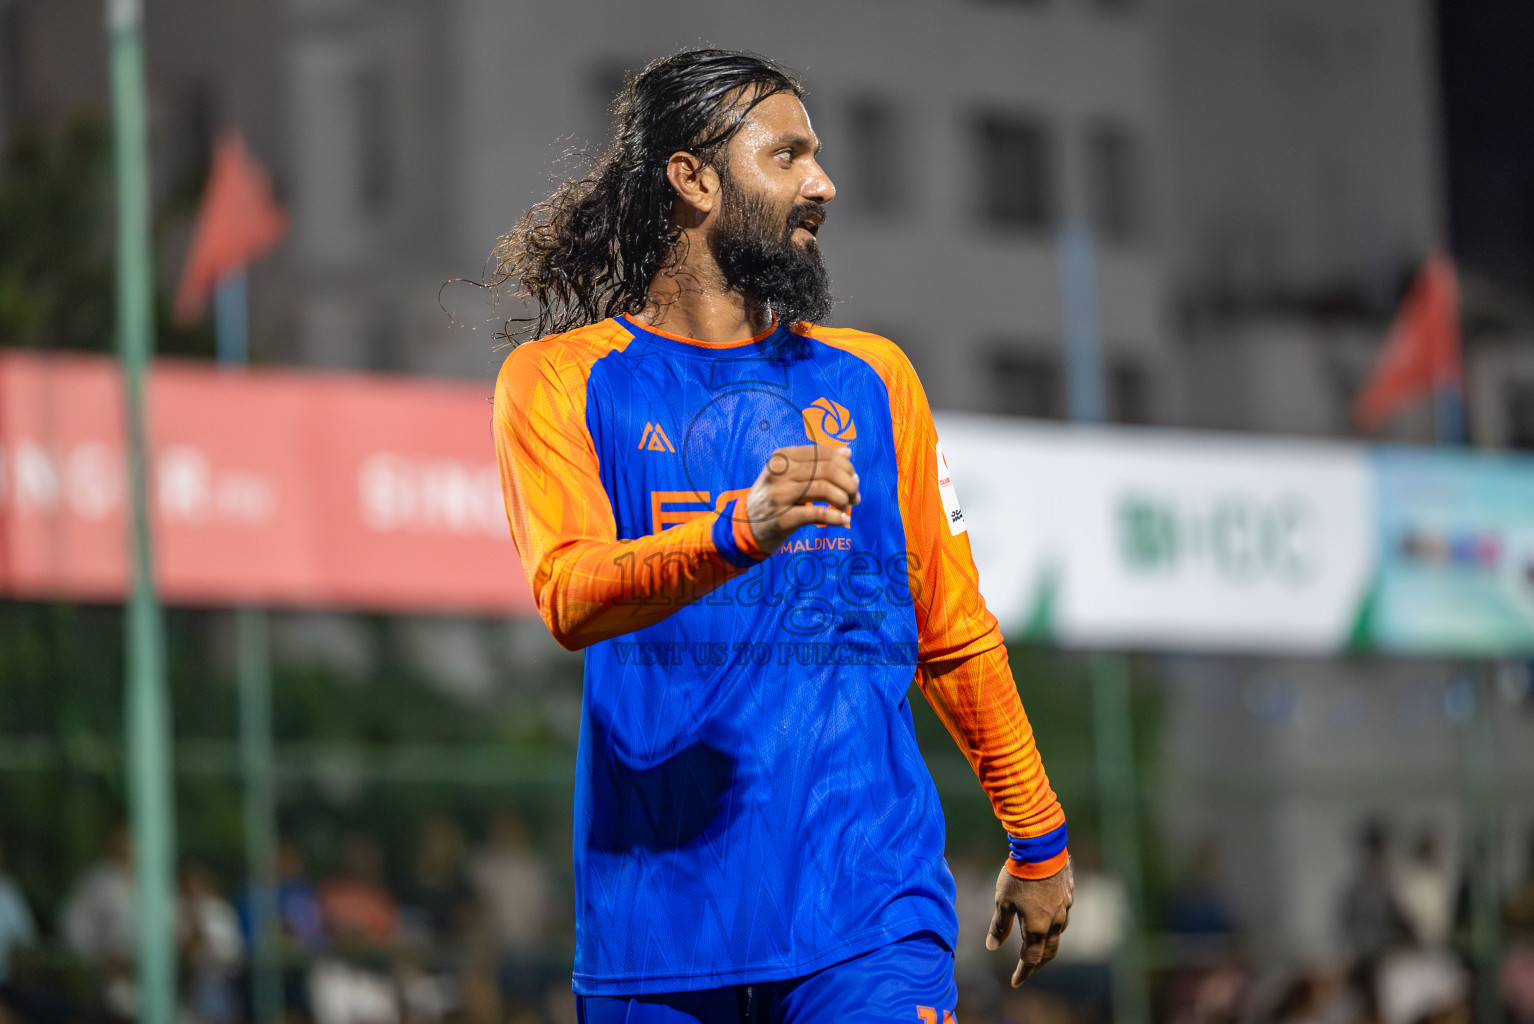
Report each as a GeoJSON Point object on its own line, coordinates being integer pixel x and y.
{"type": "Point", "coordinates": [696, 183]}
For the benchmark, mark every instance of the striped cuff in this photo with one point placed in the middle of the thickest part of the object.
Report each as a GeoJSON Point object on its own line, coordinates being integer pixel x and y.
{"type": "Point", "coordinates": [1039, 856]}
{"type": "Point", "coordinates": [734, 539]}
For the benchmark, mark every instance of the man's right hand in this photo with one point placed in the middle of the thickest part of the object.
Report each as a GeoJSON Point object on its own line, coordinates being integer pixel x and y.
{"type": "Point", "coordinates": [779, 501]}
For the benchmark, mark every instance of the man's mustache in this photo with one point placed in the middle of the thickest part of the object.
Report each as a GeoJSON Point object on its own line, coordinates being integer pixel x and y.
{"type": "Point", "coordinates": [806, 215]}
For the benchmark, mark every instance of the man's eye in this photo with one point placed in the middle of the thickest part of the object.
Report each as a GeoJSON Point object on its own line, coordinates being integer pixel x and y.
{"type": "Point", "coordinates": [785, 154]}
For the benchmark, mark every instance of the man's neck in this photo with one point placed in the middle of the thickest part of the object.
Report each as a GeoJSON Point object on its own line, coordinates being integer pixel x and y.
{"type": "Point", "coordinates": [693, 302]}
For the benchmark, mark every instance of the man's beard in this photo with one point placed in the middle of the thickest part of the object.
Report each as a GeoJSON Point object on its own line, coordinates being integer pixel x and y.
{"type": "Point", "coordinates": [754, 248]}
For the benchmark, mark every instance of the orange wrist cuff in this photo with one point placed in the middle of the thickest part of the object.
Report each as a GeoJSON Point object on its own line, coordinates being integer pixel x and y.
{"type": "Point", "coordinates": [1038, 869]}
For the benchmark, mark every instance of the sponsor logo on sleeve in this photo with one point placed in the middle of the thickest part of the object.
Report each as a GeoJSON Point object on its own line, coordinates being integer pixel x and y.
{"type": "Point", "coordinates": [951, 509]}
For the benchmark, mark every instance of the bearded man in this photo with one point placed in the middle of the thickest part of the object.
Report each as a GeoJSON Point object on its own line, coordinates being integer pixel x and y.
{"type": "Point", "coordinates": [745, 520]}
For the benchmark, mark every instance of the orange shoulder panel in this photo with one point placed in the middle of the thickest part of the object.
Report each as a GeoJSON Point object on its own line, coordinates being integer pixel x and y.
{"type": "Point", "coordinates": [587, 584]}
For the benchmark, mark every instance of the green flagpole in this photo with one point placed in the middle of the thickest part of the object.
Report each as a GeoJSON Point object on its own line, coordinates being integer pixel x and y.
{"type": "Point", "coordinates": [231, 318]}
{"type": "Point", "coordinates": [147, 712]}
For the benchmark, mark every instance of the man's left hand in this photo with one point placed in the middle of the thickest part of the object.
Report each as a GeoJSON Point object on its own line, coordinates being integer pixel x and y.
{"type": "Point", "coordinates": [1043, 906]}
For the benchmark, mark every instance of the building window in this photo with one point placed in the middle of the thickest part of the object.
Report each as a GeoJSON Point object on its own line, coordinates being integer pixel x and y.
{"type": "Point", "coordinates": [1016, 186]}
{"type": "Point", "coordinates": [1026, 383]}
{"type": "Point", "coordinates": [377, 171]}
{"type": "Point", "coordinates": [1520, 415]}
{"type": "Point", "coordinates": [1129, 394]}
{"type": "Point", "coordinates": [12, 72]}
{"type": "Point", "coordinates": [1113, 181]}
{"type": "Point", "coordinates": [876, 186]}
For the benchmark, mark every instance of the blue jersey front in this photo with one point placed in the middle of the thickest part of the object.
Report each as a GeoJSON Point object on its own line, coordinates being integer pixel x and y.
{"type": "Point", "coordinates": [751, 803]}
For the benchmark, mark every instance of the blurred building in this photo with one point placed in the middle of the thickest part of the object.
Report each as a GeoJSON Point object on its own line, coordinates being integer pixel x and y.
{"type": "Point", "coordinates": [1259, 177]}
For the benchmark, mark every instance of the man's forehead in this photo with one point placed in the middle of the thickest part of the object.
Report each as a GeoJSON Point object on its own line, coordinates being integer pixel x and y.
{"type": "Point", "coordinates": [779, 116]}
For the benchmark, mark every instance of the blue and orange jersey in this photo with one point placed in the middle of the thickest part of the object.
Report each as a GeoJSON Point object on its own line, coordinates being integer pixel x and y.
{"type": "Point", "coordinates": [751, 804]}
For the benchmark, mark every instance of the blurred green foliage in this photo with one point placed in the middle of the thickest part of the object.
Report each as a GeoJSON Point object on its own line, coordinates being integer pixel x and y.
{"type": "Point", "coordinates": [55, 268]}
{"type": "Point", "coordinates": [61, 726]}
{"type": "Point", "coordinates": [57, 285]}
{"type": "Point", "coordinates": [60, 682]}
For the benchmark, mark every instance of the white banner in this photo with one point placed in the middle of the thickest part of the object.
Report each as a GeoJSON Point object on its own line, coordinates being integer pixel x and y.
{"type": "Point", "coordinates": [1138, 538]}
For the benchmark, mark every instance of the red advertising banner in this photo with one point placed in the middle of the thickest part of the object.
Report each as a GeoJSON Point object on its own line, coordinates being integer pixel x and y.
{"type": "Point", "coordinates": [266, 488]}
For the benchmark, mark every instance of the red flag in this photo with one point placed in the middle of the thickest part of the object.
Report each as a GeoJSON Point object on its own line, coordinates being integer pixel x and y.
{"type": "Point", "coordinates": [1422, 353]}
{"type": "Point", "coordinates": [238, 222]}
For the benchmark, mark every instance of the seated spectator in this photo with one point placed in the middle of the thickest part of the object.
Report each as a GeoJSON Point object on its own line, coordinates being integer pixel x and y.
{"type": "Point", "coordinates": [300, 920]}
{"type": "Point", "coordinates": [1197, 906]}
{"type": "Point", "coordinates": [516, 889]}
{"type": "Point", "coordinates": [17, 929]}
{"type": "Point", "coordinates": [1081, 974]}
{"type": "Point", "coordinates": [1425, 892]}
{"type": "Point", "coordinates": [211, 947]}
{"type": "Point", "coordinates": [1371, 918]}
{"type": "Point", "coordinates": [358, 908]}
{"type": "Point", "coordinates": [1518, 913]}
{"type": "Point", "coordinates": [439, 895]}
{"type": "Point", "coordinates": [98, 921]}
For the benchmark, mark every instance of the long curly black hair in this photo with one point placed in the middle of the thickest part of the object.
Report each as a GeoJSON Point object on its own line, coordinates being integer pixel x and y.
{"type": "Point", "coordinates": [590, 250]}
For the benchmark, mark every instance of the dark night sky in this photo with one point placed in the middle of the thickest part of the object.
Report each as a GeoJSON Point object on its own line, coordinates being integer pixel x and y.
{"type": "Point", "coordinates": [1486, 52]}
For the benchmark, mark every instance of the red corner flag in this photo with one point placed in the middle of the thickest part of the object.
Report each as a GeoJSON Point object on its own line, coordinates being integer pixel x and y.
{"type": "Point", "coordinates": [1422, 353]}
{"type": "Point", "coordinates": [239, 221]}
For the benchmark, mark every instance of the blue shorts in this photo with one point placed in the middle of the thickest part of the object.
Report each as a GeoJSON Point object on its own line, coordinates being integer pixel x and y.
{"type": "Point", "coordinates": [909, 980]}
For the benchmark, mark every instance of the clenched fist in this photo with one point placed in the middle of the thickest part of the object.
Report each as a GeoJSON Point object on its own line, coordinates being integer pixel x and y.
{"type": "Point", "coordinates": [779, 502]}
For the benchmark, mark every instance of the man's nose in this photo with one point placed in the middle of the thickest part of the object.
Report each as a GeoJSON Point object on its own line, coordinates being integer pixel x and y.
{"type": "Point", "coordinates": [818, 187]}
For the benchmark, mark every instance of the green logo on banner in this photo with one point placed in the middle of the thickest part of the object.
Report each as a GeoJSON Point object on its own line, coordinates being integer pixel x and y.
{"type": "Point", "coordinates": [1244, 538]}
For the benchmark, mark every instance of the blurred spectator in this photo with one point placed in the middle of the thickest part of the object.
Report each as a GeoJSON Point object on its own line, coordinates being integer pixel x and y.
{"type": "Point", "coordinates": [974, 965]}
{"type": "Point", "coordinates": [98, 923]}
{"type": "Point", "coordinates": [1516, 982]}
{"type": "Point", "coordinates": [1032, 1005]}
{"type": "Point", "coordinates": [300, 929]}
{"type": "Point", "coordinates": [1417, 985]}
{"type": "Point", "coordinates": [17, 928]}
{"type": "Point", "coordinates": [342, 993]}
{"type": "Point", "coordinates": [98, 918]}
{"type": "Point", "coordinates": [1516, 977]}
{"type": "Point", "coordinates": [1518, 913]}
{"type": "Point", "coordinates": [300, 919]}
{"type": "Point", "coordinates": [1082, 973]}
{"type": "Point", "coordinates": [1424, 891]}
{"type": "Point", "coordinates": [1371, 919]}
{"type": "Point", "coordinates": [1214, 996]}
{"type": "Point", "coordinates": [208, 933]}
{"type": "Point", "coordinates": [515, 887]}
{"type": "Point", "coordinates": [358, 907]}
{"type": "Point", "coordinates": [1197, 906]}
{"type": "Point", "coordinates": [439, 895]}
{"type": "Point", "coordinates": [1317, 996]}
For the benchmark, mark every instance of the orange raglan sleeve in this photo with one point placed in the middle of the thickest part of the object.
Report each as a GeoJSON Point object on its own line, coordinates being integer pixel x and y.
{"type": "Point", "coordinates": [962, 666]}
{"type": "Point", "coordinates": [587, 584]}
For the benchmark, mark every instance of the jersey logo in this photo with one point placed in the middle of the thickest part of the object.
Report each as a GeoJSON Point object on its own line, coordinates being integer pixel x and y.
{"type": "Point", "coordinates": [828, 423]}
{"type": "Point", "coordinates": [928, 1015]}
{"type": "Point", "coordinates": [655, 439]}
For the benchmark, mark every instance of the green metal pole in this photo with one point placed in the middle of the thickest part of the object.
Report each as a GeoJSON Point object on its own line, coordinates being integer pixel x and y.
{"type": "Point", "coordinates": [1113, 749]}
{"type": "Point", "coordinates": [256, 759]}
{"type": "Point", "coordinates": [147, 715]}
{"type": "Point", "coordinates": [253, 669]}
